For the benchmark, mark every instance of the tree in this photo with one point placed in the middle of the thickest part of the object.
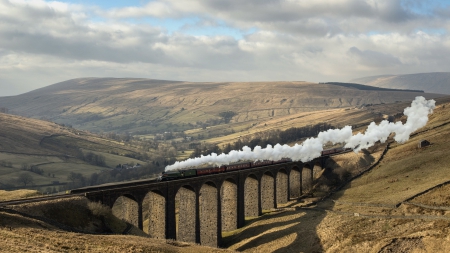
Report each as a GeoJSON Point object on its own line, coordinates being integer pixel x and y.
{"type": "Point", "coordinates": [227, 116]}
{"type": "Point", "coordinates": [25, 179]}
{"type": "Point", "coordinates": [77, 179]}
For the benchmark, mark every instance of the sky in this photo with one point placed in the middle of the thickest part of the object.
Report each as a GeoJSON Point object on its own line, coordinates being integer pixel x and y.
{"type": "Point", "coordinates": [45, 42]}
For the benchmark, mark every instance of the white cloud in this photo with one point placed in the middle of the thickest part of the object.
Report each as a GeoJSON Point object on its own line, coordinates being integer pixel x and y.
{"type": "Point", "coordinates": [324, 40]}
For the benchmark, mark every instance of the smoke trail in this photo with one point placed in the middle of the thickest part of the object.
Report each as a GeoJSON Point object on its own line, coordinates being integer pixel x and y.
{"type": "Point", "coordinates": [311, 148]}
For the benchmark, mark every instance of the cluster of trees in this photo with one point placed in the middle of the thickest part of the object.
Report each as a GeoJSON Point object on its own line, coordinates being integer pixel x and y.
{"type": "Point", "coordinates": [94, 159]}
{"type": "Point", "coordinates": [227, 116]}
{"type": "Point", "coordinates": [33, 169]}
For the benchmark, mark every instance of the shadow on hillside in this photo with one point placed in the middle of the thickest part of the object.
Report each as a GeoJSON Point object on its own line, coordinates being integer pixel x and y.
{"type": "Point", "coordinates": [294, 229]}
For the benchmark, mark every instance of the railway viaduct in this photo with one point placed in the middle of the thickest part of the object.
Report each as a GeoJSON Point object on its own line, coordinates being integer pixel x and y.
{"type": "Point", "coordinates": [199, 209]}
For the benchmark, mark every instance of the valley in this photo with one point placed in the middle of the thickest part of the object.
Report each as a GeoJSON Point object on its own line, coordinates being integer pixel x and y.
{"type": "Point", "coordinates": [378, 198]}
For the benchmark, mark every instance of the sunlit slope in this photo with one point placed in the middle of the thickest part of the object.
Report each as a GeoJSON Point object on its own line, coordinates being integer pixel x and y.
{"type": "Point", "coordinates": [52, 148]}
{"type": "Point", "coordinates": [364, 217]}
{"type": "Point", "coordinates": [113, 104]}
{"type": "Point", "coordinates": [406, 169]}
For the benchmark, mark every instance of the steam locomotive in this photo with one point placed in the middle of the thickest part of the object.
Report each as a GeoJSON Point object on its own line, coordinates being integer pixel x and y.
{"type": "Point", "coordinates": [178, 174]}
{"type": "Point", "coordinates": [194, 172]}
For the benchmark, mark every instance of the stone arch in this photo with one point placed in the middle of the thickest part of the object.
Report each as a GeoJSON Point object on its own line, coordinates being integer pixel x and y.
{"type": "Point", "coordinates": [307, 177]}
{"type": "Point", "coordinates": [282, 186]}
{"type": "Point", "coordinates": [126, 208]}
{"type": "Point", "coordinates": [154, 214]}
{"type": "Point", "coordinates": [208, 214]}
{"type": "Point", "coordinates": [185, 213]}
{"type": "Point", "coordinates": [251, 196]}
{"type": "Point", "coordinates": [228, 197]}
{"type": "Point", "coordinates": [317, 170]}
{"type": "Point", "coordinates": [267, 191]}
{"type": "Point", "coordinates": [295, 178]}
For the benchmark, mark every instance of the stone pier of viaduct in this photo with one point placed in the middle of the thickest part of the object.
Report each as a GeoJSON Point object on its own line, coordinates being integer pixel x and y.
{"type": "Point", "coordinates": [199, 209]}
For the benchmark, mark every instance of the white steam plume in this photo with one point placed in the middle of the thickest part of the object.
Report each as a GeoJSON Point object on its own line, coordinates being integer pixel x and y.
{"type": "Point", "coordinates": [311, 148]}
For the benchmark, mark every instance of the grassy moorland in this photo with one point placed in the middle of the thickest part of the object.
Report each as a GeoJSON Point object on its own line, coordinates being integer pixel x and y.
{"type": "Point", "coordinates": [26, 228]}
{"type": "Point", "coordinates": [147, 106]}
{"type": "Point", "coordinates": [49, 152]}
{"type": "Point", "coordinates": [374, 212]}
{"type": "Point", "coordinates": [435, 81]}
{"type": "Point", "coordinates": [170, 118]}
{"type": "Point", "coordinates": [364, 216]}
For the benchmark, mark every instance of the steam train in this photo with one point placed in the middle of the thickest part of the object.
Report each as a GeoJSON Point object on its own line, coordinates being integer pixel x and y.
{"type": "Point", "coordinates": [178, 174]}
{"type": "Point", "coordinates": [194, 172]}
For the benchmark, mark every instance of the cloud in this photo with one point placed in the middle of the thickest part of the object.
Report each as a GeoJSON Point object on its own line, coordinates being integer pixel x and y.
{"type": "Point", "coordinates": [373, 59]}
{"type": "Point", "coordinates": [324, 40]}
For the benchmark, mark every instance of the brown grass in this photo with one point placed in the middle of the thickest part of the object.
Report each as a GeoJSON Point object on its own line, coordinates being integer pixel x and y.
{"type": "Point", "coordinates": [146, 102]}
{"type": "Point", "coordinates": [18, 194]}
{"type": "Point", "coordinates": [50, 147]}
{"type": "Point", "coordinates": [363, 218]}
{"type": "Point", "coordinates": [20, 234]}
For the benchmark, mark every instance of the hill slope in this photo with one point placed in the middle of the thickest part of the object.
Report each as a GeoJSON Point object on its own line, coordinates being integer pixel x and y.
{"type": "Point", "coordinates": [437, 82]}
{"type": "Point", "coordinates": [49, 152]}
{"type": "Point", "coordinates": [146, 105]}
{"type": "Point", "coordinates": [377, 212]}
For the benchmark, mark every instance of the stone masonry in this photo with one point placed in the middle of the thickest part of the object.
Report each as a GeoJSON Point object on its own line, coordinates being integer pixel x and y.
{"type": "Point", "coordinates": [199, 209]}
{"type": "Point", "coordinates": [251, 197]}
{"type": "Point", "coordinates": [294, 183]}
{"type": "Point", "coordinates": [208, 215]}
{"type": "Point", "coordinates": [228, 196]}
{"type": "Point", "coordinates": [282, 187]}
{"type": "Point", "coordinates": [267, 192]}
{"type": "Point", "coordinates": [186, 215]}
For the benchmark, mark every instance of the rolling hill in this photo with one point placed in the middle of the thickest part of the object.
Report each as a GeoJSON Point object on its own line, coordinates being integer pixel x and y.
{"type": "Point", "coordinates": [436, 82]}
{"type": "Point", "coordinates": [49, 152]}
{"type": "Point", "coordinates": [399, 205]}
{"type": "Point", "coordinates": [146, 106]}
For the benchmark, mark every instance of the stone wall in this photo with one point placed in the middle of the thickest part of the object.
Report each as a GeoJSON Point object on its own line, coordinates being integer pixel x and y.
{"type": "Point", "coordinates": [306, 179]}
{"type": "Point", "coordinates": [126, 209]}
{"type": "Point", "coordinates": [208, 215]}
{"type": "Point", "coordinates": [267, 192]}
{"type": "Point", "coordinates": [317, 170]}
{"type": "Point", "coordinates": [186, 215]}
{"type": "Point", "coordinates": [251, 197]}
{"type": "Point", "coordinates": [228, 196]}
{"type": "Point", "coordinates": [294, 183]}
{"type": "Point", "coordinates": [282, 187]}
{"type": "Point", "coordinates": [154, 208]}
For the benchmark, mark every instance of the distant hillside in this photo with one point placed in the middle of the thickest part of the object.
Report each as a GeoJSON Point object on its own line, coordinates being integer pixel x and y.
{"type": "Point", "coordinates": [49, 153]}
{"type": "Point", "coordinates": [154, 106]}
{"type": "Point", "coordinates": [367, 87]}
{"type": "Point", "coordinates": [437, 82]}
